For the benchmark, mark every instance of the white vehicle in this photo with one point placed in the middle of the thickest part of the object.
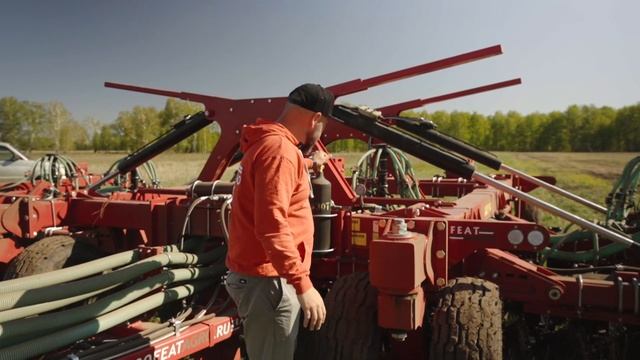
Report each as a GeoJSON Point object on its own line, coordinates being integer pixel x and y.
{"type": "Point", "coordinates": [13, 164]}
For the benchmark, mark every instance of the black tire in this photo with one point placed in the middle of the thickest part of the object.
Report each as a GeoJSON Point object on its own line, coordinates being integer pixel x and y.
{"type": "Point", "coordinates": [467, 321]}
{"type": "Point", "coordinates": [351, 329]}
{"type": "Point", "coordinates": [48, 254]}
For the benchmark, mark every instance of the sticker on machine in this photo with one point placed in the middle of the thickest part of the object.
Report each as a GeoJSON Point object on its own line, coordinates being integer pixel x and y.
{"type": "Point", "coordinates": [359, 239]}
{"type": "Point", "coordinates": [355, 224]}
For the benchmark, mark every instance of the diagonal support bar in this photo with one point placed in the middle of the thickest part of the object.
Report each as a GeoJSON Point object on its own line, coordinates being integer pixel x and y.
{"type": "Point", "coordinates": [357, 85]}
{"type": "Point", "coordinates": [396, 109]}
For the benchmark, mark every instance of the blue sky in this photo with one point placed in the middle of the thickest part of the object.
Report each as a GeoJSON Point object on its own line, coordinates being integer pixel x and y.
{"type": "Point", "coordinates": [570, 51]}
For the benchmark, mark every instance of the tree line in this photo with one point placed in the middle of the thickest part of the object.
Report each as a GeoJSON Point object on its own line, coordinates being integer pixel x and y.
{"type": "Point", "coordinates": [578, 128]}
{"type": "Point", "coordinates": [50, 126]}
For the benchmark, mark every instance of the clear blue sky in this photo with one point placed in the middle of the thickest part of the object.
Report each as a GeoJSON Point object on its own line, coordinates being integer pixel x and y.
{"type": "Point", "coordinates": [569, 51]}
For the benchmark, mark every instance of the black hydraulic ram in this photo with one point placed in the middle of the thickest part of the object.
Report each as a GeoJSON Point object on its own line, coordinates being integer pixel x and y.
{"type": "Point", "coordinates": [427, 131]}
{"type": "Point", "coordinates": [180, 131]}
{"type": "Point", "coordinates": [371, 126]}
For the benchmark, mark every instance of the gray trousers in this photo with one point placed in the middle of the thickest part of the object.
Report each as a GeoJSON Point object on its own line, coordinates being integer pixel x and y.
{"type": "Point", "coordinates": [270, 314]}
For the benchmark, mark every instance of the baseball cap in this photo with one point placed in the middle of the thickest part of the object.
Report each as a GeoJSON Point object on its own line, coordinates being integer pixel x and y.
{"type": "Point", "coordinates": [313, 97]}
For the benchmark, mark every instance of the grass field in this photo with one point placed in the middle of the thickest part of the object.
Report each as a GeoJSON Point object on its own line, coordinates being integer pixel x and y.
{"type": "Point", "coordinates": [590, 175]}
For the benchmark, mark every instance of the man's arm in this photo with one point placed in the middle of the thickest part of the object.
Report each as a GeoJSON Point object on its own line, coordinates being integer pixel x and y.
{"type": "Point", "coordinates": [274, 183]}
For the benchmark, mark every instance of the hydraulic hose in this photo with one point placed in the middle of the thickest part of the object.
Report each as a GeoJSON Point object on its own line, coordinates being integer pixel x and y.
{"type": "Point", "coordinates": [21, 312]}
{"type": "Point", "coordinates": [597, 252]}
{"type": "Point", "coordinates": [78, 287]}
{"type": "Point", "coordinates": [70, 273]}
{"type": "Point", "coordinates": [41, 345]}
{"type": "Point", "coordinates": [47, 322]}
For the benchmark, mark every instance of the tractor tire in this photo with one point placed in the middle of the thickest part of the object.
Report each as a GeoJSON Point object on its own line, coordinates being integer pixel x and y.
{"type": "Point", "coordinates": [467, 321]}
{"type": "Point", "coordinates": [49, 254]}
{"type": "Point", "coordinates": [351, 329]}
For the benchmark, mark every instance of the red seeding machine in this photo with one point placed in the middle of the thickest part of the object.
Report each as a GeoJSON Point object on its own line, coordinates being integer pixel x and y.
{"type": "Point", "coordinates": [453, 267]}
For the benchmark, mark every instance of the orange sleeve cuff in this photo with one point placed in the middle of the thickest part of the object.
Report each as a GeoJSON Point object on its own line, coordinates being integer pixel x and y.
{"type": "Point", "coordinates": [303, 285]}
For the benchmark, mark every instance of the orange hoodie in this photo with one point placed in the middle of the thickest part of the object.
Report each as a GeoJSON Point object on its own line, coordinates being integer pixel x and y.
{"type": "Point", "coordinates": [271, 228]}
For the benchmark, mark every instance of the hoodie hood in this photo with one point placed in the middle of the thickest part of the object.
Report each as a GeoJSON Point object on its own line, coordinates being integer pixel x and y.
{"type": "Point", "coordinates": [261, 129]}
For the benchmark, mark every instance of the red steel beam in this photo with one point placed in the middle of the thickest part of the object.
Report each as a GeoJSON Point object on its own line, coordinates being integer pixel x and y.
{"type": "Point", "coordinates": [357, 85]}
{"type": "Point", "coordinates": [395, 109]}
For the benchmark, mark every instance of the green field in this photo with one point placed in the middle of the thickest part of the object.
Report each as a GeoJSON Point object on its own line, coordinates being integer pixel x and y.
{"type": "Point", "coordinates": [590, 175]}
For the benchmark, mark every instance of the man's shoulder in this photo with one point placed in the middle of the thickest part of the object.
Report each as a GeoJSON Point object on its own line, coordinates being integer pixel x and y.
{"type": "Point", "coordinates": [270, 146]}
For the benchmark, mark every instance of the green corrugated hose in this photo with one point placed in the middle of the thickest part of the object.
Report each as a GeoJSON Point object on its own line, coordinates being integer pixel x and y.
{"type": "Point", "coordinates": [41, 345]}
{"type": "Point", "coordinates": [47, 322]}
{"type": "Point", "coordinates": [61, 291]}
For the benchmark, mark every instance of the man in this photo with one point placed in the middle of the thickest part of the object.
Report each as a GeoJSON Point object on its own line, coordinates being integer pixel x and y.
{"type": "Point", "coordinates": [271, 229]}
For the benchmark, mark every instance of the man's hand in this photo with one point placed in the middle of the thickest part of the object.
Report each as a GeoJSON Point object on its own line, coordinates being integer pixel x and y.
{"type": "Point", "coordinates": [319, 158]}
{"type": "Point", "coordinates": [313, 309]}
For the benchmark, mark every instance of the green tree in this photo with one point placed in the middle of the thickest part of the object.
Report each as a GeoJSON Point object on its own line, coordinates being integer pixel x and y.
{"type": "Point", "coordinates": [174, 111]}
{"type": "Point", "coordinates": [11, 112]}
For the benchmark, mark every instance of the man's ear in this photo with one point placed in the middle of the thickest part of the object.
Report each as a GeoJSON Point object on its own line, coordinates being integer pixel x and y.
{"type": "Point", "coordinates": [316, 118]}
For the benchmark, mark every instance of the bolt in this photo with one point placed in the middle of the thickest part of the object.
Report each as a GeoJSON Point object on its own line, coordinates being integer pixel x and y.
{"type": "Point", "coordinates": [554, 293]}
{"type": "Point", "coordinates": [440, 254]}
{"type": "Point", "coordinates": [441, 226]}
{"type": "Point", "coordinates": [440, 282]}
{"type": "Point", "coordinates": [411, 224]}
{"type": "Point", "coordinates": [494, 275]}
{"type": "Point", "coordinates": [398, 227]}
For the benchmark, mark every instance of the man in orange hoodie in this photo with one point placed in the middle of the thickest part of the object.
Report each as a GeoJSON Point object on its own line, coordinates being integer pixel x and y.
{"type": "Point", "coordinates": [271, 228]}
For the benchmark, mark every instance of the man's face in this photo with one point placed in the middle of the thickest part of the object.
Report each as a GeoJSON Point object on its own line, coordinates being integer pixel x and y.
{"type": "Point", "coordinates": [316, 127]}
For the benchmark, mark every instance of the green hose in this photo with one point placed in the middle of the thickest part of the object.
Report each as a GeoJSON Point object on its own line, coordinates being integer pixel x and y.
{"type": "Point", "coordinates": [41, 345]}
{"type": "Point", "coordinates": [70, 273]}
{"type": "Point", "coordinates": [149, 168]}
{"type": "Point", "coordinates": [48, 322]}
{"type": "Point", "coordinates": [597, 252]}
{"type": "Point", "coordinates": [620, 202]}
{"type": "Point", "coordinates": [74, 272]}
{"type": "Point", "coordinates": [368, 164]}
{"type": "Point", "coordinates": [60, 291]}
{"type": "Point", "coordinates": [52, 167]}
{"type": "Point", "coordinates": [20, 312]}
{"type": "Point", "coordinates": [621, 197]}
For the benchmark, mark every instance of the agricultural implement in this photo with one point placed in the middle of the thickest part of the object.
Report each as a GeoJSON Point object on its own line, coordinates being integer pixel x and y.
{"type": "Point", "coordinates": [442, 268]}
